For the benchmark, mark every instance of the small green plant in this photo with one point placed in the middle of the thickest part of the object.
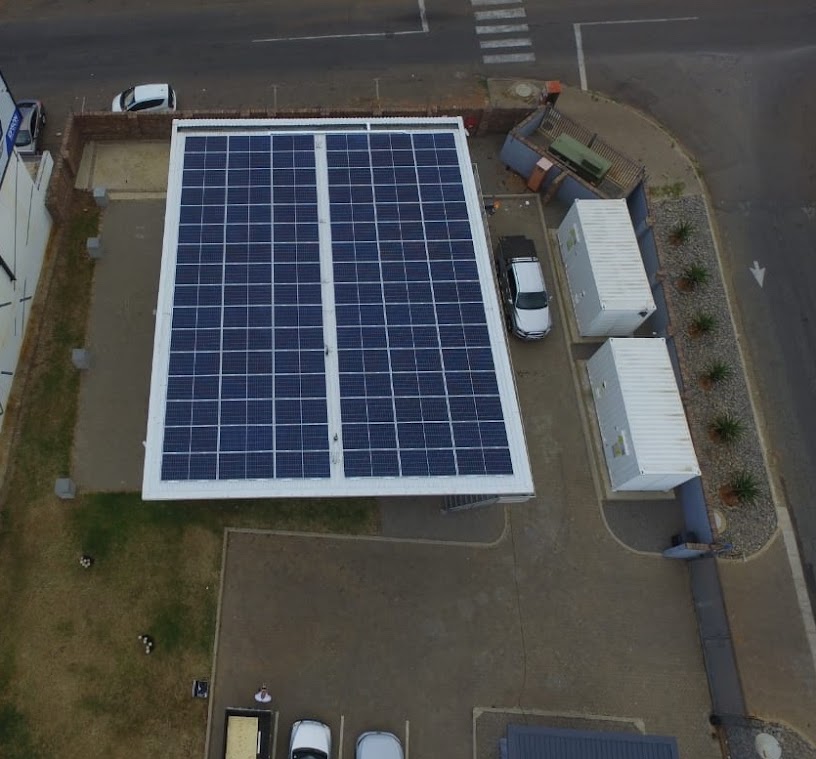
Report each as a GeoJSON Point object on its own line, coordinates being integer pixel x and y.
{"type": "Point", "coordinates": [744, 487]}
{"type": "Point", "coordinates": [717, 372]}
{"type": "Point", "coordinates": [702, 324]}
{"type": "Point", "coordinates": [695, 275]}
{"type": "Point", "coordinates": [726, 428]}
{"type": "Point", "coordinates": [681, 232]}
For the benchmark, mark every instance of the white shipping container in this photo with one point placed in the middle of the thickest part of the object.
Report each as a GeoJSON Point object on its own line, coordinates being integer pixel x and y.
{"type": "Point", "coordinates": [645, 435]}
{"type": "Point", "coordinates": [608, 285]}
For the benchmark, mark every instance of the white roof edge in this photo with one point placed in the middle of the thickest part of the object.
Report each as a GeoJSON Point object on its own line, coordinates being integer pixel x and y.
{"type": "Point", "coordinates": [325, 124]}
{"type": "Point", "coordinates": [195, 490]}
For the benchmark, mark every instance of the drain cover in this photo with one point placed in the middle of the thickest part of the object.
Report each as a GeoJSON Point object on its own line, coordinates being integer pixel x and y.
{"type": "Point", "coordinates": [524, 90]}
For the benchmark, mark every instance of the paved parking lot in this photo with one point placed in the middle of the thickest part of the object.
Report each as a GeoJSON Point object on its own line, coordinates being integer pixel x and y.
{"type": "Point", "coordinates": [556, 616]}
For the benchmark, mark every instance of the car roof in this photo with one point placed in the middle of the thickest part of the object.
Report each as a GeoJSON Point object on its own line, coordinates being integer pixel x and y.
{"type": "Point", "coordinates": [151, 91]}
{"type": "Point", "coordinates": [529, 276]}
{"type": "Point", "coordinates": [24, 106]}
{"type": "Point", "coordinates": [379, 745]}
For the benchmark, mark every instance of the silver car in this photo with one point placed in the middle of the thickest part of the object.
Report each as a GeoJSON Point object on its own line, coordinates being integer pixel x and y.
{"type": "Point", "coordinates": [379, 745]}
{"type": "Point", "coordinates": [32, 123]}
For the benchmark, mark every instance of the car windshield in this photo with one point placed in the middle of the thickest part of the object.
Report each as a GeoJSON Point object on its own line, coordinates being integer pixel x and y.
{"type": "Point", "coordinates": [128, 98]}
{"type": "Point", "coordinates": [23, 138]}
{"type": "Point", "coordinates": [308, 753]}
{"type": "Point", "coordinates": [531, 301]}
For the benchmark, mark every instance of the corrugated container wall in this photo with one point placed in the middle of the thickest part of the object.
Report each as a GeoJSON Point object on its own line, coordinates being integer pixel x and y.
{"type": "Point", "coordinates": [608, 285]}
{"type": "Point", "coordinates": [645, 435]}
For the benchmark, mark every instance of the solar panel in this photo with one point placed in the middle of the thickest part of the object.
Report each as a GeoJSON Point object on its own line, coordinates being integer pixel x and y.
{"type": "Point", "coordinates": [246, 380]}
{"type": "Point", "coordinates": [405, 361]}
{"type": "Point", "coordinates": [325, 317]}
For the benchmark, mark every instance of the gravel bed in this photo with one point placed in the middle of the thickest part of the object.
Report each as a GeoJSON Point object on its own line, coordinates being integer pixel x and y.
{"type": "Point", "coordinates": [742, 737]}
{"type": "Point", "coordinates": [748, 526]}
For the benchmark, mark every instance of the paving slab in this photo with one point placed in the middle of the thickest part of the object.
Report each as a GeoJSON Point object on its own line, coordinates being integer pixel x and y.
{"type": "Point", "coordinates": [425, 519]}
{"type": "Point", "coordinates": [111, 423]}
{"type": "Point", "coordinates": [135, 166]}
{"type": "Point", "coordinates": [769, 639]}
{"type": "Point", "coordinates": [644, 525]}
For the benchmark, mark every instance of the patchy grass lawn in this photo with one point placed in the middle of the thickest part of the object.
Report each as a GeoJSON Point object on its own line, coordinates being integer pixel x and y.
{"type": "Point", "coordinates": [74, 680]}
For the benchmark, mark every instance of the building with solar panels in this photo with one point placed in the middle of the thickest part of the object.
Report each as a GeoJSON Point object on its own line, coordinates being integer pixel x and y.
{"type": "Point", "coordinates": [327, 321]}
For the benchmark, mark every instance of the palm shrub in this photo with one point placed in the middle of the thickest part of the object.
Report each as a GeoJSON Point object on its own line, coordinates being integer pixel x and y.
{"type": "Point", "coordinates": [681, 232]}
{"type": "Point", "coordinates": [702, 324]}
{"type": "Point", "coordinates": [694, 276]}
{"type": "Point", "coordinates": [726, 428]}
{"type": "Point", "coordinates": [718, 371]}
{"type": "Point", "coordinates": [744, 487]}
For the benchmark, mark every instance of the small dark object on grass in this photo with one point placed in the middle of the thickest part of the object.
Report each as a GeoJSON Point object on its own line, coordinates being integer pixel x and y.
{"type": "Point", "coordinates": [85, 561]}
{"type": "Point", "coordinates": [148, 642]}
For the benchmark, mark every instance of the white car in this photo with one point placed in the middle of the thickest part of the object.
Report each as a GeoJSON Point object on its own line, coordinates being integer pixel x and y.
{"type": "Point", "coordinates": [378, 745]}
{"type": "Point", "coordinates": [310, 740]}
{"type": "Point", "coordinates": [523, 292]}
{"type": "Point", "coordinates": [158, 98]}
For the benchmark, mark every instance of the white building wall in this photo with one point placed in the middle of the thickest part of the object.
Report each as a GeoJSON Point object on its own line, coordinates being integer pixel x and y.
{"type": "Point", "coordinates": [608, 284]}
{"type": "Point", "coordinates": [646, 441]}
{"type": "Point", "coordinates": [25, 227]}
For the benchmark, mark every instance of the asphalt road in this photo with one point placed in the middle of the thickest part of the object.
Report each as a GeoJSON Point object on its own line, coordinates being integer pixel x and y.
{"type": "Point", "coordinates": [733, 81]}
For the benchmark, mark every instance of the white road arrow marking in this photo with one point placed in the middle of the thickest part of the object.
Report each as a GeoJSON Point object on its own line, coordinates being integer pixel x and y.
{"type": "Point", "coordinates": [759, 273]}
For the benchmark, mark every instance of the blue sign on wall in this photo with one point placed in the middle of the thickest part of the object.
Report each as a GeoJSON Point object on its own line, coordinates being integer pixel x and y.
{"type": "Point", "coordinates": [11, 132]}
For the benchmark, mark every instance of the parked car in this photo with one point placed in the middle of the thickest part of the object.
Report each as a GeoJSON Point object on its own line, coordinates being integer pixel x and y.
{"type": "Point", "coordinates": [523, 291]}
{"type": "Point", "coordinates": [379, 745]}
{"type": "Point", "coordinates": [310, 740]}
{"type": "Point", "coordinates": [32, 122]}
{"type": "Point", "coordinates": [158, 98]}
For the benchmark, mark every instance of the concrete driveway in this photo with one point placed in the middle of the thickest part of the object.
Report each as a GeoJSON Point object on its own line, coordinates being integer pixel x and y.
{"type": "Point", "coordinates": [554, 616]}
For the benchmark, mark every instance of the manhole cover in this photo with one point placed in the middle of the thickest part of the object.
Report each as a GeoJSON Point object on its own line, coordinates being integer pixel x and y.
{"type": "Point", "coordinates": [524, 90]}
{"type": "Point", "coordinates": [767, 746]}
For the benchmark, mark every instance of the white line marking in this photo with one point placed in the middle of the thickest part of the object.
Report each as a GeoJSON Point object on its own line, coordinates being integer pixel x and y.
{"type": "Point", "coordinates": [641, 21]}
{"type": "Point", "coordinates": [758, 272]}
{"type": "Point", "coordinates": [407, 745]}
{"type": "Point", "coordinates": [504, 13]}
{"type": "Point", "coordinates": [502, 28]}
{"type": "Point", "coordinates": [510, 58]}
{"type": "Point", "coordinates": [579, 47]}
{"type": "Point", "coordinates": [372, 35]}
{"type": "Point", "coordinates": [423, 16]}
{"type": "Point", "coordinates": [799, 583]}
{"type": "Point", "coordinates": [494, 2]}
{"type": "Point", "coordinates": [340, 745]}
{"type": "Point", "coordinates": [513, 42]}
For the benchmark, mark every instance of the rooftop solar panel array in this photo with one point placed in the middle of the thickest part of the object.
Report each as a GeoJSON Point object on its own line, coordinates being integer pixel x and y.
{"type": "Point", "coordinates": [418, 388]}
{"type": "Point", "coordinates": [246, 394]}
{"type": "Point", "coordinates": [327, 319]}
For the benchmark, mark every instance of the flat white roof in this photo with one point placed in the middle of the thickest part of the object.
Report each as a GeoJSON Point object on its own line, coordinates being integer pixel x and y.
{"type": "Point", "coordinates": [613, 251]}
{"type": "Point", "coordinates": [657, 420]}
{"type": "Point", "coordinates": [327, 322]}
